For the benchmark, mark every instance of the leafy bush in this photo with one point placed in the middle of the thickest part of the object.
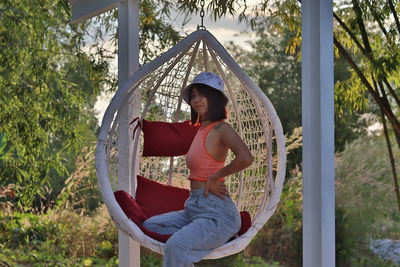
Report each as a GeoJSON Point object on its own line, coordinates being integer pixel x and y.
{"type": "Point", "coordinates": [366, 209]}
{"type": "Point", "coordinates": [58, 238]}
{"type": "Point", "coordinates": [281, 237]}
{"type": "Point", "coordinates": [366, 202]}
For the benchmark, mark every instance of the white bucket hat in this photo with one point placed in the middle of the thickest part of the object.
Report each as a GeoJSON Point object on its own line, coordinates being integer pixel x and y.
{"type": "Point", "coordinates": [207, 78]}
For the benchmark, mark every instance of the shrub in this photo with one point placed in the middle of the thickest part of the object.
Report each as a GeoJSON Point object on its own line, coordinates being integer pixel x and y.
{"type": "Point", "coordinates": [281, 237]}
{"type": "Point", "coordinates": [366, 202]}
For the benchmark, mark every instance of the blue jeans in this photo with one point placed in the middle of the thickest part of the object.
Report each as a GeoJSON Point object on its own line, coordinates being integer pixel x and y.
{"type": "Point", "coordinates": [204, 224]}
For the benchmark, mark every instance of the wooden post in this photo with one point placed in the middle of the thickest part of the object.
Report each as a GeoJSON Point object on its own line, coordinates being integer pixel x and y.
{"type": "Point", "coordinates": [128, 63]}
{"type": "Point", "coordinates": [318, 134]}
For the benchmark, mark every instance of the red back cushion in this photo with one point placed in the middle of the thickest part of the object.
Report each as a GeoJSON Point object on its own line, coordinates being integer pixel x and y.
{"type": "Point", "coordinates": [156, 198]}
{"type": "Point", "coordinates": [167, 139]}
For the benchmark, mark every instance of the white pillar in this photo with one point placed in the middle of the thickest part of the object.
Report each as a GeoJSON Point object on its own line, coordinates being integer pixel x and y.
{"type": "Point", "coordinates": [318, 134]}
{"type": "Point", "coordinates": [128, 63]}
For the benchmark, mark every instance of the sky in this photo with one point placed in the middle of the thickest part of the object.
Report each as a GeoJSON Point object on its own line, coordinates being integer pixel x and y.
{"type": "Point", "coordinates": [225, 30]}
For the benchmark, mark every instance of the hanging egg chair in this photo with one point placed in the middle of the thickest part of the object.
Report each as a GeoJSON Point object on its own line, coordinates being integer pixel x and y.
{"type": "Point", "coordinates": [157, 88]}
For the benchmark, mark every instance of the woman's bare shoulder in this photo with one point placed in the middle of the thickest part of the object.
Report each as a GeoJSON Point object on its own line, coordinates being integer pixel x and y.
{"type": "Point", "coordinates": [224, 127]}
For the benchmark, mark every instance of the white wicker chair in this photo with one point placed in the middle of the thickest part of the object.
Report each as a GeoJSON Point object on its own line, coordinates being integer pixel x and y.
{"type": "Point", "coordinates": [256, 189]}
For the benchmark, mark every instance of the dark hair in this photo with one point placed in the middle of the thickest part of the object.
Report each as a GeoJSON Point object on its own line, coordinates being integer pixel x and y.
{"type": "Point", "coordinates": [216, 103]}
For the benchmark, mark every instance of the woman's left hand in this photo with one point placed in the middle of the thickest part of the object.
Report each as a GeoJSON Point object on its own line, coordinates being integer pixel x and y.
{"type": "Point", "coordinates": [216, 187]}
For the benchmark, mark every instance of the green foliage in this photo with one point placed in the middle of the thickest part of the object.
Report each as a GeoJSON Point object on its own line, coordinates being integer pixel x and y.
{"type": "Point", "coordinates": [156, 33]}
{"type": "Point", "coordinates": [80, 191]}
{"type": "Point", "coordinates": [3, 146]}
{"type": "Point", "coordinates": [281, 238]}
{"type": "Point", "coordinates": [277, 72]}
{"type": "Point", "coordinates": [45, 108]}
{"type": "Point", "coordinates": [49, 85]}
{"type": "Point", "coordinates": [353, 240]}
{"type": "Point", "coordinates": [366, 37]}
{"type": "Point", "coordinates": [57, 238]}
{"type": "Point", "coordinates": [66, 237]}
{"type": "Point", "coordinates": [278, 76]}
{"type": "Point", "coordinates": [364, 183]}
{"type": "Point", "coordinates": [149, 258]}
{"type": "Point", "coordinates": [364, 187]}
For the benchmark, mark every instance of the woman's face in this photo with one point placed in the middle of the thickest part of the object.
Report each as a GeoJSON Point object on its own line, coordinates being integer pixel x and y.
{"type": "Point", "coordinates": [198, 102]}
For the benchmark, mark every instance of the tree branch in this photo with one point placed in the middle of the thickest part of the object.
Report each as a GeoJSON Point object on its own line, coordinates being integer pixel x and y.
{"type": "Point", "coordinates": [392, 91]}
{"type": "Point", "coordinates": [381, 26]}
{"type": "Point", "coordinates": [364, 51]}
{"type": "Point", "coordinates": [391, 6]}
{"type": "Point", "coordinates": [385, 99]}
{"type": "Point", "coordinates": [389, 114]}
{"type": "Point", "coordinates": [391, 157]}
{"type": "Point", "coordinates": [360, 74]}
{"type": "Point", "coordinates": [360, 22]}
{"type": "Point", "coordinates": [384, 105]}
{"type": "Point", "coordinates": [349, 32]}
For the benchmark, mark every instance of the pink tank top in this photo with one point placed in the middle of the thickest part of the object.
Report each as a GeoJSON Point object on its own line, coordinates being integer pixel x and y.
{"type": "Point", "coordinates": [200, 163]}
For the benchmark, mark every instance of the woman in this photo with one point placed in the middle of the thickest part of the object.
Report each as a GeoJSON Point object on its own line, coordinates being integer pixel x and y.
{"type": "Point", "coordinates": [210, 218]}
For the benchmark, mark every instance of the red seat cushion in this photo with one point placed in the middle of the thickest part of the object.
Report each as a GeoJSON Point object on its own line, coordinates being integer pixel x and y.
{"type": "Point", "coordinates": [149, 196]}
{"type": "Point", "coordinates": [130, 207]}
{"type": "Point", "coordinates": [134, 212]}
{"type": "Point", "coordinates": [246, 222]}
{"type": "Point", "coordinates": [167, 139]}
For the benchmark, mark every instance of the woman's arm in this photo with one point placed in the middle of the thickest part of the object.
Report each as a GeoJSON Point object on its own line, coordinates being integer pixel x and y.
{"type": "Point", "coordinates": [243, 158]}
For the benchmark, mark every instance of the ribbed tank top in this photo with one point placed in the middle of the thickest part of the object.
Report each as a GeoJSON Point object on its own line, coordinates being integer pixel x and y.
{"type": "Point", "coordinates": [200, 163]}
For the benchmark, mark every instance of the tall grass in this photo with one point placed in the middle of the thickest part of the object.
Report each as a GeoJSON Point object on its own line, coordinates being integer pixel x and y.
{"type": "Point", "coordinates": [365, 200]}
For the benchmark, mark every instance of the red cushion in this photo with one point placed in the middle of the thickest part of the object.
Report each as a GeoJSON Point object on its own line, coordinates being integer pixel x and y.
{"type": "Point", "coordinates": [130, 207]}
{"type": "Point", "coordinates": [246, 222]}
{"type": "Point", "coordinates": [134, 212]}
{"type": "Point", "coordinates": [154, 235]}
{"type": "Point", "coordinates": [167, 139]}
{"type": "Point", "coordinates": [150, 194]}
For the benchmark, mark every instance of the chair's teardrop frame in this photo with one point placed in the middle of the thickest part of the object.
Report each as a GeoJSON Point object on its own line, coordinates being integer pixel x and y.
{"type": "Point", "coordinates": [269, 204]}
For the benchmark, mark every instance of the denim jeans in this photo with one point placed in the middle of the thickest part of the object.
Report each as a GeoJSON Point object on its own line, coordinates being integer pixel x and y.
{"type": "Point", "coordinates": [204, 224]}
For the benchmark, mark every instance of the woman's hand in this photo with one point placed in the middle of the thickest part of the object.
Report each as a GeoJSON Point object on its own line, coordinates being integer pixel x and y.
{"type": "Point", "coordinates": [216, 187]}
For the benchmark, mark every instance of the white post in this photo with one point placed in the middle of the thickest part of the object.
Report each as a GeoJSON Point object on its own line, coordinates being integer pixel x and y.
{"type": "Point", "coordinates": [318, 134]}
{"type": "Point", "coordinates": [128, 63]}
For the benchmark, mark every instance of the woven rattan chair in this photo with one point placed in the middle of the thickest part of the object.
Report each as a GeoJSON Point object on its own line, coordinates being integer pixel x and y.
{"type": "Point", "coordinates": [159, 83]}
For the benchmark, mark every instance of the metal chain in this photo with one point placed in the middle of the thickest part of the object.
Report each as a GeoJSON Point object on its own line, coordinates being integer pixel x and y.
{"type": "Point", "coordinates": [201, 27]}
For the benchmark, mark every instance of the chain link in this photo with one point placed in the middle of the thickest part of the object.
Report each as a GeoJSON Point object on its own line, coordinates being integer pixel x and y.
{"type": "Point", "coordinates": [201, 27]}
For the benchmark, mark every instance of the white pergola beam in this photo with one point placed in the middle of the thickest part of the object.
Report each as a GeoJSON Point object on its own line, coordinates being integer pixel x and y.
{"type": "Point", "coordinates": [318, 134]}
{"type": "Point", "coordinates": [85, 9]}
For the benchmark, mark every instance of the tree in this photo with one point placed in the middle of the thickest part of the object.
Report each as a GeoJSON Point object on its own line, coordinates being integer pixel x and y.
{"type": "Point", "coordinates": [49, 86]}
{"type": "Point", "coordinates": [371, 31]}
{"type": "Point", "coordinates": [277, 72]}
{"type": "Point", "coordinates": [366, 35]}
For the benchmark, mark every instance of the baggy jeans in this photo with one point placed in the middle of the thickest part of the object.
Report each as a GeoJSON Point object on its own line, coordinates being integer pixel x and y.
{"type": "Point", "coordinates": [205, 223]}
